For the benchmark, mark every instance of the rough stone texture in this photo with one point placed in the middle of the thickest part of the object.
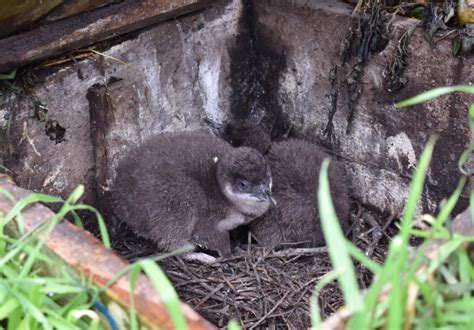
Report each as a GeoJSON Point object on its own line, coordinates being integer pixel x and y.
{"type": "Point", "coordinates": [175, 74]}
{"type": "Point", "coordinates": [383, 143]}
{"type": "Point", "coordinates": [270, 60]}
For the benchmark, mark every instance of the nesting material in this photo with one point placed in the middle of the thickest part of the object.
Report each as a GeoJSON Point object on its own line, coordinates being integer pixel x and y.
{"type": "Point", "coordinates": [258, 287]}
{"type": "Point", "coordinates": [262, 287]}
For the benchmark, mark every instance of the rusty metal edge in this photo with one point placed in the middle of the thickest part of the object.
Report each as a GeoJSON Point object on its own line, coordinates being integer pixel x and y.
{"type": "Point", "coordinates": [90, 259]}
{"type": "Point", "coordinates": [88, 28]}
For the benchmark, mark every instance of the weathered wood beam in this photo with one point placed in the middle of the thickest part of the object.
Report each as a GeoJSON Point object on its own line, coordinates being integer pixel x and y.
{"type": "Point", "coordinates": [73, 7]}
{"type": "Point", "coordinates": [16, 14]}
{"type": "Point", "coordinates": [88, 258]}
{"type": "Point", "coordinates": [87, 28]}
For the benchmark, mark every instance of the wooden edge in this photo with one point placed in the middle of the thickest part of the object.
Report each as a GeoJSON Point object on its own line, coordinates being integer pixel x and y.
{"type": "Point", "coordinates": [86, 255]}
{"type": "Point", "coordinates": [88, 28]}
{"type": "Point", "coordinates": [462, 224]}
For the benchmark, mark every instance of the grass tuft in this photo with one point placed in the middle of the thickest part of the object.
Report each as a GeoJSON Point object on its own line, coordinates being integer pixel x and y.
{"type": "Point", "coordinates": [30, 299]}
{"type": "Point", "coordinates": [338, 251]}
{"type": "Point", "coordinates": [422, 292]}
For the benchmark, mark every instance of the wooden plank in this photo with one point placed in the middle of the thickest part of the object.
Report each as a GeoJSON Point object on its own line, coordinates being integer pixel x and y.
{"type": "Point", "coordinates": [73, 7]}
{"type": "Point", "coordinates": [90, 27]}
{"type": "Point", "coordinates": [15, 14]}
{"type": "Point", "coordinates": [88, 258]}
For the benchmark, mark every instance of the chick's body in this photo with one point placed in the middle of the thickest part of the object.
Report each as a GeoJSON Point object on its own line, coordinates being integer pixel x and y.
{"type": "Point", "coordinates": [169, 190]}
{"type": "Point", "coordinates": [159, 188]}
{"type": "Point", "coordinates": [295, 165]}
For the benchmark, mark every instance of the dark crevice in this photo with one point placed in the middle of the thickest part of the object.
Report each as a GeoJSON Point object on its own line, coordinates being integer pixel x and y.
{"type": "Point", "coordinates": [245, 84]}
{"type": "Point", "coordinates": [55, 131]}
{"type": "Point", "coordinates": [256, 66]}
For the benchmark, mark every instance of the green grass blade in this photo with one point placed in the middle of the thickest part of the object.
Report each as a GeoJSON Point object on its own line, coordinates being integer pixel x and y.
{"type": "Point", "coordinates": [128, 268]}
{"type": "Point", "coordinates": [464, 270]}
{"type": "Point", "coordinates": [334, 237]}
{"type": "Point", "coordinates": [8, 76]}
{"type": "Point", "coordinates": [420, 258]}
{"type": "Point", "coordinates": [164, 287]}
{"type": "Point", "coordinates": [398, 290]}
{"type": "Point", "coordinates": [102, 226]}
{"type": "Point", "coordinates": [29, 300]}
{"type": "Point", "coordinates": [400, 244]}
{"type": "Point", "coordinates": [66, 208]}
{"type": "Point", "coordinates": [76, 315]}
{"type": "Point", "coordinates": [381, 279]}
{"type": "Point", "coordinates": [466, 155]}
{"type": "Point", "coordinates": [431, 94]}
{"type": "Point", "coordinates": [14, 319]}
{"type": "Point", "coordinates": [371, 265]}
{"type": "Point", "coordinates": [233, 325]}
{"type": "Point", "coordinates": [33, 256]}
{"type": "Point", "coordinates": [28, 248]}
{"type": "Point", "coordinates": [448, 207]}
{"type": "Point", "coordinates": [77, 302]}
{"type": "Point", "coordinates": [460, 305]}
{"type": "Point", "coordinates": [314, 305]}
{"type": "Point", "coordinates": [60, 323]}
{"type": "Point", "coordinates": [77, 219]}
{"type": "Point", "coordinates": [134, 273]}
{"type": "Point", "coordinates": [444, 234]}
{"type": "Point", "coordinates": [24, 202]}
{"type": "Point", "coordinates": [54, 288]}
{"type": "Point", "coordinates": [21, 246]}
{"type": "Point", "coordinates": [471, 205]}
{"type": "Point", "coordinates": [49, 285]}
{"type": "Point", "coordinates": [31, 309]}
{"type": "Point", "coordinates": [25, 322]}
{"type": "Point", "coordinates": [416, 189]}
{"type": "Point", "coordinates": [9, 306]}
{"type": "Point", "coordinates": [75, 195]}
{"type": "Point", "coordinates": [7, 194]}
{"type": "Point", "coordinates": [444, 252]}
{"type": "Point", "coordinates": [36, 298]}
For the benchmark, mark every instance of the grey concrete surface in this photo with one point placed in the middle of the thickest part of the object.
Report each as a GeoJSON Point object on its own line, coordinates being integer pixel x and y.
{"type": "Point", "coordinates": [268, 60]}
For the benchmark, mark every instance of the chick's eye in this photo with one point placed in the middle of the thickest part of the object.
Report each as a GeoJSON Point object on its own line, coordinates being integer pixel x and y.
{"type": "Point", "coordinates": [243, 184]}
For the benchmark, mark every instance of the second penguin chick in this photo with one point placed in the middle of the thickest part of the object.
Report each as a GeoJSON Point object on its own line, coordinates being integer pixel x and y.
{"type": "Point", "coordinates": [295, 166]}
{"type": "Point", "coordinates": [190, 188]}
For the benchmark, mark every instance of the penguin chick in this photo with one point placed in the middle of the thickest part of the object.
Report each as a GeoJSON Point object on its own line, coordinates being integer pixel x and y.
{"type": "Point", "coordinates": [190, 188]}
{"type": "Point", "coordinates": [242, 132]}
{"type": "Point", "coordinates": [295, 165]}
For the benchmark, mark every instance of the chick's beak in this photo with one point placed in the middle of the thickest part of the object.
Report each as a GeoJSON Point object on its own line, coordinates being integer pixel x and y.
{"type": "Point", "coordinates": [268, 196]}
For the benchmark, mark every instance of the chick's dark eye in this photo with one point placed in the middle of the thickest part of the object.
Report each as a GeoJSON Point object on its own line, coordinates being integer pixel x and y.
{"type": "Point", "coordinates": [243, 184]}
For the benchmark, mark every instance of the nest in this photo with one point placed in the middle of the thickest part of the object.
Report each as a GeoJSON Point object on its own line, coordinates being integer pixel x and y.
{"type": "Point", "coordinates": [261, 287]}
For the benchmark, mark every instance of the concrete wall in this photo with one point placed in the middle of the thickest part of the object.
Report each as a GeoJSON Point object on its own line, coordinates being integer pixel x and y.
{"type": "Point", "coordinates": [270, 60]}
